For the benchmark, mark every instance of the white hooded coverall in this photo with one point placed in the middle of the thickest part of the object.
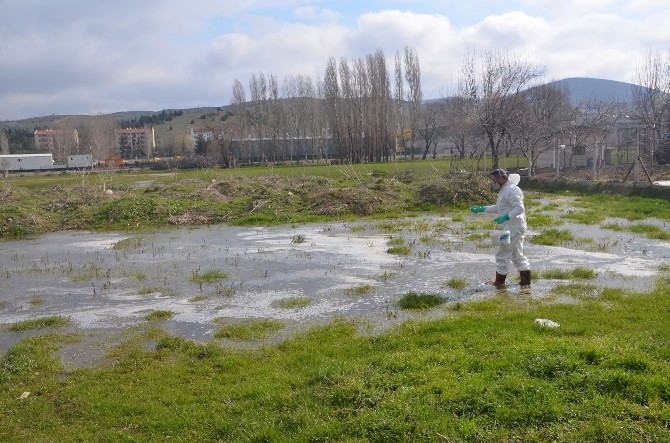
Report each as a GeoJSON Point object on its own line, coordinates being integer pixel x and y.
{"type": "Point", "coordinates": [510, 201]}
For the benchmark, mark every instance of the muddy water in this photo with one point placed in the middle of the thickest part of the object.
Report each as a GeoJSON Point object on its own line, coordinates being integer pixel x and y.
{"type": "Point", "coordinates": [103, 289]}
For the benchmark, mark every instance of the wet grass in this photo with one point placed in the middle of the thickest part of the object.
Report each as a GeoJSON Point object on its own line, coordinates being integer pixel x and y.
{"type": "Point", "coordinates": [159, 315]}
{"type": "Point", "coordinates": [485, 373]}
{"type": "Point", "coordinates": [129, 243]}
{"type": "Point", "coordinates": [553, 237]}
{"type": "Point", "coordinates": [55, 321]}
{"type": "Point", "coordinates": [249, 329]}
{"type": "Point", "coordinates": [298, 239]}
{"type": "Point", "coordinates": [208, 276]}
{"type": "Point", "coordinates": [420, 301]}
{"type": "Point", "coordinates": [360, 290]}
{"type": "Point", "coordinates": [456, 283]}
{"type": "Point", "coordinates": [563, 274]}
{"type": "Point", "coordinates": [585, 217]}
{"type": "Point", "coordinates": [648, 230]}
{"type": "Point", "coordinates": [291, 303]}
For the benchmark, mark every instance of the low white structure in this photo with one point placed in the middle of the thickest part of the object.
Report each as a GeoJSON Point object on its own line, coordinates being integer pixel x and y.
{"type": "Point", "coordinates": [26, 162]}
{"type": "Point", "coordinates": [80, 161]}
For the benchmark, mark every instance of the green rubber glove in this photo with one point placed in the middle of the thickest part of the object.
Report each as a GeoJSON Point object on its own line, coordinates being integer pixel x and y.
{"type": "Point", "coordinates": [499, 220]}
{"type": "Point", "coordinates": [478, 209]}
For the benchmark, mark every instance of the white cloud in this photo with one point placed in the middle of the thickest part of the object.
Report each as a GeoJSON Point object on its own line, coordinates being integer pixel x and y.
{"type": "Point", "coordinates": [73, 56]}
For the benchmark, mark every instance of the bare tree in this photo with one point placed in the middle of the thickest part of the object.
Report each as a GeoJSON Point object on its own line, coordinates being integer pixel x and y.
{"type": "Point", "coordinates": [101, 136]}
{"type": "Point", "coordinates": [258, 114]}
{"type": "Point", "coordinates": [415, 93]}
{"type": "Point", "coordinates": [539, 125]}
{"type": "Point", "coordinates": [238, 129]}
{"type": "Point", "coordinates": [4, 143]}
{"type": "Point", "coordinates": [652, 100]}
{"type": "Point", "coordinates": [428, 129]}
{"type": "Point", "coordinates": [398, 97]}
{"type": "Point", "coordinates": [333, 111]}
{"type": "Point", "coordinates": [493, 89]}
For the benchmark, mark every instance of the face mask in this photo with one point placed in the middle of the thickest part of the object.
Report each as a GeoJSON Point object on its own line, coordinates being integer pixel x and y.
{"type": "Point", "coordinates": [495, 186]}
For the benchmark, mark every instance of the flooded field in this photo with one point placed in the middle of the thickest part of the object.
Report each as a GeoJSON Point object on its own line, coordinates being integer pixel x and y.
{"type": "Point", "coordinates": [208, 276]}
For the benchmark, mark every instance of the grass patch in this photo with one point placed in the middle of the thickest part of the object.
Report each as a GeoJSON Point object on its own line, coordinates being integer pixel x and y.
{"type": "Point", "coordinates": [298, 239]}
{"type": "Point", "coordinates": [159, 315]}
{"type": "Point", "coordinates": [456, 283]}
{"type": "Point", "coordinates": [397, 246]}
{"type": "Point", "coordinates": [198, 298]}
{"type": "Point", "coordinates": [484, 374]}
{"type": "Point", "coordinates": [648, 230]}
{"type": "Point", "coordinates": [208, 276]}
{"type": "Point", "coordinates": [586, 217]}
{"type": "Point", "coordinates": [399, 250]}
{"type": "Point", "coordinates": [396, 241]}
{"type": "Point", "coordinates": [291, 303]}
{"type": "Point", "coordinates": [553, 237]}
{"type": "Point", "coordinates": [249, 329]}
{"type": "Point", "coordinates": [54, 321]}
{"type": "Point", "coordinates": [129, 243]}
{"type": "Point", "coordinates": [538, 221]}
{"type": "Point", "coordinates": [164, 292]}
{"type": "Point", "coordinates": [361, 290]}
{"type": "Point", "coordinates": [578, 290]}
{"type": "Point", "coordinates": [562, 274]}
{"type": "Point", "coordinates": [420, 301]}
{"type": "Point", "coordinates": [386, 275]}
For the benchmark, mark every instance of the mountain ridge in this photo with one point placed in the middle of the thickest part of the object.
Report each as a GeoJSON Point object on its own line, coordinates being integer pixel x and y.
{"type": "Point", "coordinates": [580, 90]}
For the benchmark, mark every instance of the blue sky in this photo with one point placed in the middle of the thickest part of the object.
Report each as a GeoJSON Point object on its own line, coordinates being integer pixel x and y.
{"type": "Point", "coordinates": [85, 57]}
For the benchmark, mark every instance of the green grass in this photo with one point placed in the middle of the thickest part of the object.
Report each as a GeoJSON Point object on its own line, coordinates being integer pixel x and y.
{"type": "Point", "coordinates": [291, 303]}
{"type": "Point", "coordinates": [456, 283]}
{"type": "Point", "coordinates": [563, 274]}
{"type": "Point", "coordinates": [129, 243]}
{"type": "Point", "coordinates": [586, 217]}
{"type": "Point", "coordinates": [241, 196]}
{"type": "Point", "coordinates": [399, 250]}
{"type": "Point", "coordinates": [484, 374]}
{"type": "Point", "coordinates": [208, 276]}
{"type": "Point", "coordinates": [553, 237]}
{"type": "Point", "coordinates": [163, 291]}
{"type": "Point", "coordinates": [55, 321]}
{"type": "Point", "coordinates": [249, 329]}
{"type": "Point", "coordinates": [361, 290]}
{"type": "Point", "coordinates": [159, 315]}
{"type": "Point", "coordinates": [420, 301]}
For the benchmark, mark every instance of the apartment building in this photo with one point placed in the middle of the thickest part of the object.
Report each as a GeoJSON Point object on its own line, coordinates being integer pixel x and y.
{"type": "Point", "coordinates": [135, 142]}
{"type": "Point", "coordinates": [57, 141]}
{"type": "Point", "coordinates": [205, 134]}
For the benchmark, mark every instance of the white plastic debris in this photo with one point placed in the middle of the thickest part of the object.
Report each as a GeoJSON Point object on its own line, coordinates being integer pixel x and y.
{"type": "Point", "coordinates": [24, 395]}
{"type": "Point", "coordinates": [546, 323]}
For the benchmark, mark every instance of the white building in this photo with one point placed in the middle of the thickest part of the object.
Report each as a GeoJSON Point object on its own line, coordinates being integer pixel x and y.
{"type": "Point", "coordinates": [26, 162]}
{"type": "Point", "coordinates": [80, 161]}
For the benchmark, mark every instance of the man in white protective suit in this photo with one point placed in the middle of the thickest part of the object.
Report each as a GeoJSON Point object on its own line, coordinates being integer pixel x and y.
{"type": "Point", "coordinates": [511, 217]}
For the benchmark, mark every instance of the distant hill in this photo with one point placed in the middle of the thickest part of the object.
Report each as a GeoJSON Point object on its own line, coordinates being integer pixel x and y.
{"type": "Point", "coordinates": [583, 89]}
{"type": "Point", "coordinates": [580, 89]}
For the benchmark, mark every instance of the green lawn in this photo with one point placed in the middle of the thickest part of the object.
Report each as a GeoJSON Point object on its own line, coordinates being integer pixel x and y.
{"type": "Point", "coordinates": [483, 373]}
